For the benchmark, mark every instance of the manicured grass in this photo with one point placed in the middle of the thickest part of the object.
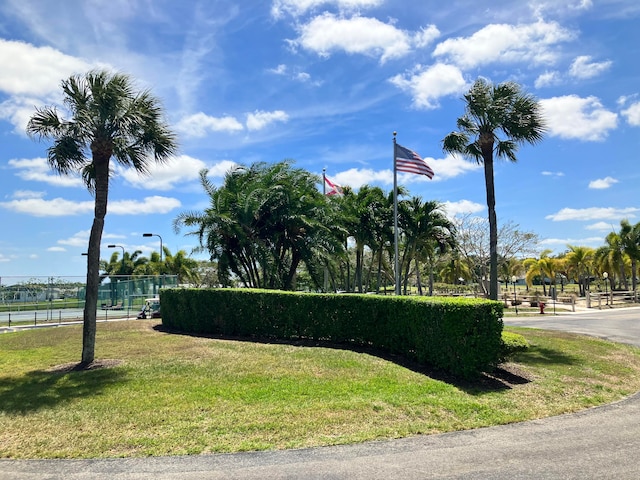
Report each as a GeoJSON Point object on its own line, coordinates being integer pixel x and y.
{"type": "Point", "coordinates": [177, 394]}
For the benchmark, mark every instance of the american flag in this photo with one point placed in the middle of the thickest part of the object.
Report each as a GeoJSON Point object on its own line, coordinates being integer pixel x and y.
{"type": "Point", "coordinates": [410, 162]}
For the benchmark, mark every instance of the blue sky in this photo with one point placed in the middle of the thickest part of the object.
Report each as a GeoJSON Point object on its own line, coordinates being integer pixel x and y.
{"type": "Point", "coordinates": [326, 83]}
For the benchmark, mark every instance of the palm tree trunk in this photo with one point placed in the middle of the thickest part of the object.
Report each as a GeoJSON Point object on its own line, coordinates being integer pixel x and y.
{"type": "Point", "coordinates": [493, 229]}
{"type": "Point", "coordinates": [93, 260]}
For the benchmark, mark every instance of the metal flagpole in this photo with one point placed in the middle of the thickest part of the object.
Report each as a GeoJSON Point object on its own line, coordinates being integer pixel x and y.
{"type": "Point", "coordinates": [326, 269]}
{"type": "Point", "coordinates": [395, 216]}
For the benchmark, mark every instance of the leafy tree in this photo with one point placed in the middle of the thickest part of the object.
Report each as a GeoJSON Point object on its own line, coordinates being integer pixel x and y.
{"type": "Point", "coordinates": [491, 110]}
{"type": "Point", "coordinates": [263, 223]}
{"type": "Point", "coordinates": [578, 262]}
{"type": "Point", "coordinates": [537, 267]}
{"type": "Point", "coordinates": [425, 228]}
{"type": "Point", "coordinates": [108, 119]}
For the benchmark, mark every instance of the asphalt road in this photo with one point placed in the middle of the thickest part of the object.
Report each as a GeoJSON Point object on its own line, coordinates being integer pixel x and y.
{"type": "Point", "coordinates": [599, 443]}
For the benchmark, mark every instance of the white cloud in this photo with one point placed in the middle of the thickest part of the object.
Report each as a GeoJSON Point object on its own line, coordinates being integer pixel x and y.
{"type": "Point", "coordinates": [259, 119]}
{"type": "Point", "coordinates": [573, 117]}
{"type": "Point", "coordinates": [632, 114]}
{"type": "Point", "coordinates": [165, 176]}
{"type": "Point", "coordinates": [39, 71]}
{"type": "Point", "coordinates": [462, 207]}
{"type": "Point", "coordinates": [56, 249]}
{"type": "Point", "coordinates": [200, 124]}
{"type": "Point", "coordinates": [572, 241]}
{"type": "Point", "coordinates": [451, 166]}
{"type": "Point", "coordinates": [553, 174]}
{"type": "Point", "coordinates": [149, 205]}
{"type": "Point", "coordinates": [300, 7]}
{"type": "Point", "coordinates": [57, 207]}
{"type": "Point", "coordinates": [78, 239]}
{"type": "Point", "coordinates": [430, 84]}
{"type": "Point", "coordinates": [531, 43]}
{"type": "Point", "coordinates": [327, 33]}
{"type": "Point", "coordinates": [600, 226]}
{"type": "Point", "coordinates": [583, 67]}
{"type": "Point", "coordinates": [60, 207]}
{"type": "Point", "coordinates": [38, 170]}
{"type": "Point", "coordinates": [548, 79]}
{"type": "Point", "coordinates": [426, 36]}
{"type": "Point", "coordinates": [220, 169]}
{"type": "Point", "coordinates": [357, 177]}
{"type": "Point", "coordinates": [593, 213]}
{"type": "Point", "coordinates": [602, 183]}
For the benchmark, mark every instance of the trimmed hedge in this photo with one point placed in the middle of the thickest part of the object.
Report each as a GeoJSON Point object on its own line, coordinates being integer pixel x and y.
{"type": "Point", "coordinates": [458, 335]}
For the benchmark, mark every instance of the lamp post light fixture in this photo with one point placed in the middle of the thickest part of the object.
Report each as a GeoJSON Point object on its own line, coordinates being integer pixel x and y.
{"type": "Point", "coordinates": [605, 276]}
{"type": "Point", "coordinates": [119, 246]}
{"type": "Point", "coordinates": [155, 235]}
{"type": "Point", "coordinates": [514, 279]}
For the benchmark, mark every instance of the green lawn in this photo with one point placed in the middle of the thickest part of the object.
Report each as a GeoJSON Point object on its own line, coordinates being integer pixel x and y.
{"type": "Point", "coordinates": [167, 394]}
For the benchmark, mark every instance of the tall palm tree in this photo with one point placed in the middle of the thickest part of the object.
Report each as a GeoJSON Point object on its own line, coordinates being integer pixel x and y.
{"type": "Point", "coordinates": [491, 110]}
{"type": "Point", "coordinates": [630, 242]}
{"type": "Point", "coordinates": [108, 119]}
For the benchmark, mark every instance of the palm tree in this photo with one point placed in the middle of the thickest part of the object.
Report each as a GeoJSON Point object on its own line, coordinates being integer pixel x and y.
{"type": "Point", "coordinates": [630, 243]}
{"type": "Point", "coordinates": [490, 110]}
{"type": "Point", "coordinates": [578, 262]}
{"type": "Point", "coordinates": [536, 267]}
{"type": "Point", "coordinates": [108, 118]}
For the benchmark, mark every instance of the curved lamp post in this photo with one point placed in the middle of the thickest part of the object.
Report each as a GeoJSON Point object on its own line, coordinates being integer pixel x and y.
{"type": "Point", "coordinates": [155, 235]}
{"type": "Point", "coordinates": [514, 279]}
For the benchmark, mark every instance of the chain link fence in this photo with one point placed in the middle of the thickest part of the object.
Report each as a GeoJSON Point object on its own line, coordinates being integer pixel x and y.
{"type": "Point", "coordinates": [50, 299]}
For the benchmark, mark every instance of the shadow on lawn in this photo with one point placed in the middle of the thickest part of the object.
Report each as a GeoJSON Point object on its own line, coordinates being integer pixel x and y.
{"type": "Point", "coordinates": [44, 389]}
{"type": "Point", "coordinates": [504, 377]}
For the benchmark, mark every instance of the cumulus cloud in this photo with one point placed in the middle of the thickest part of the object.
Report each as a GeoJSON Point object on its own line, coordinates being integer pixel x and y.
{"type": "Point", "coordinates": [583, 67]}
{"type": "Point", "coordinates": [38, 206]}
{"type": "Point", "coordinates": [164, 176]}
{"type": "Point", "coordinates": [502, 43]}
{"type": "Point", "coordinates": [328, 33]}
{"type": "Point", "coordinates": [148, 205]}
{"type": "Point", "coordinates": [38, 170]}
{"type": "Point", "coordinates": [39, 71]}
{"type": "Point", "coordinates": [427, 85]}
{"type": "Point", "coordinates": [553, 174]}
{"type": "Point", "coordinates": [259, 119]}
{"type": "Point", "coordinates": [602, 183]}
{"type": "Point", "coordinates": [357, 177]}
{"type": "Point", "coordinates": [200, 124]}
{"type": "Point", "coordinates": [574, 117]}
{"type": "Point", "coordinates": [462, 207]}
{"type": "Point", "coordinates": [451, 166]}
{"type": "Point", "coordinates": [632, 114]}
{"type": "Point", "coordinates": [600, 226]}
{"type": "Point", "coordinates": [78, 239]}
{"type": "Point", "coordinates": [593, 213]}
{"type": "Point", "coordinates": [548, 79]}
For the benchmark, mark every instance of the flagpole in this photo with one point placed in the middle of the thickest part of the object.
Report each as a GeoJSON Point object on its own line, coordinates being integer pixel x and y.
{"type": "Point", "coordinates": [324, 181]}
{"type": "Point", "coordinates": [395, 217]}
{"type": "Point", "coordinates": [326, 268]}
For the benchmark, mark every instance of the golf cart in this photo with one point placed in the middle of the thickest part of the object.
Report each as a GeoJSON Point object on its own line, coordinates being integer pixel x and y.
{"type": "Point", "coordinates": [150, 309]}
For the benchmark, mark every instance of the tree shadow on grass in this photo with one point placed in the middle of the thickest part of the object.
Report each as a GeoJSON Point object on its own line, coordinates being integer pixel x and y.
{"type": "Point", "coordinates": [42, 389]}
{"type": "Point", "coordinates": [503, 377]}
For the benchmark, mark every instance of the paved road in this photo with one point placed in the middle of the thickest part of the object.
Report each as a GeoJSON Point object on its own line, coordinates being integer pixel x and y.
{"type": "Point", "coordinates": [600, 443]}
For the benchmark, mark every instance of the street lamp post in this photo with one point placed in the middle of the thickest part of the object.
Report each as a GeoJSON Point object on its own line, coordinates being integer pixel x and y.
{"type": "Point", "coordinates": [514, 279]}
{"type": "Point", "coordinates": [155, 235]}
{"type": "Point", "coordinates": [118, 246]}
{"type": "Point", "coordinates": [605, 276]}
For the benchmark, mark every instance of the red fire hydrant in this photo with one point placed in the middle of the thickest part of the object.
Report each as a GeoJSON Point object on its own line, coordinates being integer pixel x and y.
{"type": "Point", "coordinates": [541, 305]}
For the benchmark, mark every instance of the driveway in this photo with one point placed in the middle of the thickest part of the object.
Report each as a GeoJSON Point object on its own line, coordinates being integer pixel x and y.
{"type": "Point", "coordinates": [599, 443]}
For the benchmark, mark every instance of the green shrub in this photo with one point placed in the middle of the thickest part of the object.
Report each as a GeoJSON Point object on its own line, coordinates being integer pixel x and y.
{"type": "Point", "coordinates": [458, 335]}
{"type": "Point", "coordinates": [513, 343]}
